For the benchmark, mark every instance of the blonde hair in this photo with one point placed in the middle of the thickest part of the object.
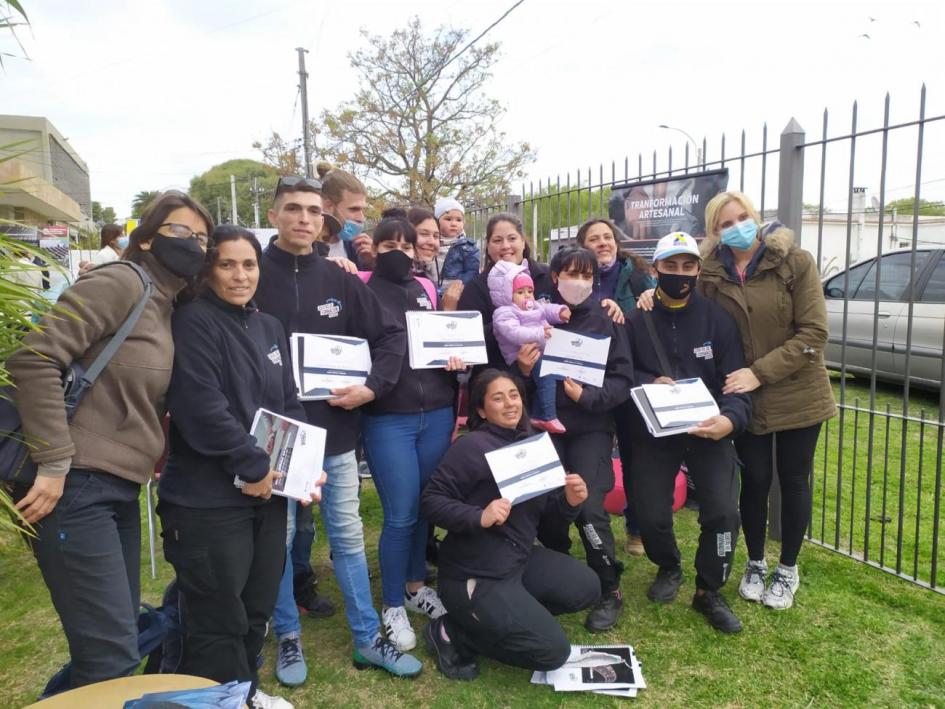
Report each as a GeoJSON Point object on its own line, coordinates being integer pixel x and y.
{"type": "Point", "coordinates": [335, 182]}
{"type": "Point", "coordinates": [714, 207]}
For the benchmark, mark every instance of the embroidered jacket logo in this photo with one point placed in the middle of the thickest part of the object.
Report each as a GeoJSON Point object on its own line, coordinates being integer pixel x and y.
{"type": "Point", "coordinates": [331, 308]}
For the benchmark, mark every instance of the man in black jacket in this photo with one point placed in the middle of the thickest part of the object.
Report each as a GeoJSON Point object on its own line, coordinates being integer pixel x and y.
{"type": "Point", "coordinates": [695, 338]}
{"type": "Point", "coordinates": [309, 294]}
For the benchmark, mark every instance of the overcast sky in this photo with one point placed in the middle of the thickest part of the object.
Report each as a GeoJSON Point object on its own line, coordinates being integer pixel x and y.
{"type": "Point", "coordinates": [152, 93]}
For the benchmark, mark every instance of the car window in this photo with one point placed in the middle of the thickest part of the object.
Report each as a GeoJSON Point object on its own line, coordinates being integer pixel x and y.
{"type": "Point", "coordinates": [935, 289]}
{"type": "Point", "coordinates": [834, 287]}
{"type": "Point", "coordinates": [894, 276]}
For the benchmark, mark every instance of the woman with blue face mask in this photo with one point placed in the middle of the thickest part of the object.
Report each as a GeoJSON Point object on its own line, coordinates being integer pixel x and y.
{"type": "Point", "coordinates": [772, 289]}
{"type": "Point", "coordinates": [114, 241]}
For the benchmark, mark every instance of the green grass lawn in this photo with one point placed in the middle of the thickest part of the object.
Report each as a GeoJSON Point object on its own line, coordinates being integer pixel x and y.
{"type": "Point", "coordinates": [856, 637]}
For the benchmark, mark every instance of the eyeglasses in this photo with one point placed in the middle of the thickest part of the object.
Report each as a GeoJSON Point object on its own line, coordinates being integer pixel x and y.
{"type": "Point", "coordinates": [290, 183]}
{"type": "Point", "coordinates": [182, 231]}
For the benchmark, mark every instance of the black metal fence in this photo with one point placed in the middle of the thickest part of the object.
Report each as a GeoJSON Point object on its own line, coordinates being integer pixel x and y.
{"type": "Point", "coordinates": [877, 479]}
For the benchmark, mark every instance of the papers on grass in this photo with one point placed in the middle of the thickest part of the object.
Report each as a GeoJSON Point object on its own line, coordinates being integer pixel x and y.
{"type": "Point", "coordinates": [581, 357]}
{"type": "Point", "coordinates": [321, 363]}
{"type": "Point", "coordinates": [296, 449]}
{"type": "Point", "coordinates": [433, 337]}
{"type": "Point", "coordinates": [671, 409]}
{"type": "Point", "coordinates": [527, 468]}
{"type": "Point", "coordinates": [602, 669]}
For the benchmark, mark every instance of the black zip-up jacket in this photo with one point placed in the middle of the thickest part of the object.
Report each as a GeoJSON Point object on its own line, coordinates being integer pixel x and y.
{"type": "Point", "coordinates": [476, 297]}
{"type": "Point", "coordinates": [417, 389]}
{"type": "Point", "coordinates": [461, 488]}
{"type": "Point", "coordinates": [700, 340]}
{"type": "Point", "coordinates": [309, 294]}
{"type": "Point", "coordinates": [229, 361]}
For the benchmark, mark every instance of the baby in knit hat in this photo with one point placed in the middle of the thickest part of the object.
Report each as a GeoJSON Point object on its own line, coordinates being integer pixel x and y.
{"type": "Point", "coordinates": [459, 256]}
{"type": "Point", "coordinates": [519, 319]}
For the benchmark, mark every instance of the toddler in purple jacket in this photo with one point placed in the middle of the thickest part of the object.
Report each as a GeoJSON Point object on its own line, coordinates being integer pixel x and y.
{"type": "Point", "coordinates": [518, 320]}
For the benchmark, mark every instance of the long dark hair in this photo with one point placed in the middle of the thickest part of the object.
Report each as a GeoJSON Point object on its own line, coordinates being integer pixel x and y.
{"type": "Point", "coordinates": [639, 263]}
{"type": "Point", "coordinates": [477, 397]}
{"type": "Point", "coordinates": [491, 225]}
{"type": "Point", "coordinates": [154, 216]}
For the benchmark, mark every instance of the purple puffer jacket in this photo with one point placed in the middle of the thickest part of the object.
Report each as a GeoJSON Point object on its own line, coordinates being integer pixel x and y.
{"type": "Point", "coordinates": [512, 326]}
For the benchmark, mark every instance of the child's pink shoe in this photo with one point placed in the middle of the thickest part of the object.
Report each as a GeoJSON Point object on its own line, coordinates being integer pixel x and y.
{"type": "Point", "coordinates": [552, 426]}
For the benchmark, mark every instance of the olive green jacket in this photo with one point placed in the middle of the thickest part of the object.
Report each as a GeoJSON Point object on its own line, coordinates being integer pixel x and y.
{"type": "Point", "coordinates": [782, 319]}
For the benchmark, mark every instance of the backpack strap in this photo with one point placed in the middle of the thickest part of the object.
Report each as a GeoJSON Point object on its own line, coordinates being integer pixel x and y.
{"type": "Point", "coordinates": [657, 344]}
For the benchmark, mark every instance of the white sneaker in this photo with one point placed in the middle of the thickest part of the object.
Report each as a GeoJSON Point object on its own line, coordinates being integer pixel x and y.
{"type": "Point", "coordinates": [261, 700]}
{"type": "Point", "coordinates": [780, 592]}
{"type": "Point", "coordinates": [424, 601]}
{"type": "Point", "coordinates": [398, 629]}
{"type": "Point", "coordinates": [752, 586]}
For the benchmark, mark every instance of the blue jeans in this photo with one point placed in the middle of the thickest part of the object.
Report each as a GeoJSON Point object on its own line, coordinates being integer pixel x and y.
{"type": "Point", "coordinates": [305, 534]}
{"type": "Point", "coordinates": [285, 616]}
{"type": "Point", "coordinates": [342, 520]}
{"type": "Point", "coordinates": [544, 406]}
{"type": "Point", "coordinates": [403, 450]}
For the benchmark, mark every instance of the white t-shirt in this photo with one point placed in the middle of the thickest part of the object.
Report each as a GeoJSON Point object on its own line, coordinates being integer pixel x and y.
{"type": "Point", "coordinates": [337, 249]}
{"type": "Point", "coordinates": [106, 255]}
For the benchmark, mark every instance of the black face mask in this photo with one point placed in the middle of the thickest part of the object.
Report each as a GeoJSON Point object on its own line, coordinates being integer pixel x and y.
{"type": "Point", "coordinates": [676, 285]}
{"type": "Point", "coordinates": [394, 265]}
{"type": "Point", "coordinates": [182, 257]}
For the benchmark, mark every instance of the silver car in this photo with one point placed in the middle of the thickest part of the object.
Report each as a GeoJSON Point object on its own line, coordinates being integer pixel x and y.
{"type": "Point", "coordinates": [897, 282]}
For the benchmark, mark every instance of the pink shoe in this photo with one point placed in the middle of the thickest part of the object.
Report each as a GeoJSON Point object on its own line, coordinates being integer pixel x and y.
{"type": "Point", "coordinates": [552, 426]}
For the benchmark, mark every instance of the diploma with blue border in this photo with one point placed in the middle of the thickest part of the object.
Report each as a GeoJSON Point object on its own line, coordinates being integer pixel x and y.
{"type": "Point", "coordinates": [527, 468]}
{"type": "Point", "coordinates": [433, 337]}
{"type": "Point", "coordinates": [580, 356]}
{"type": "Point", "coordinates": [671, 409]}
{"type": "Point", "coordinates": [321, 363]}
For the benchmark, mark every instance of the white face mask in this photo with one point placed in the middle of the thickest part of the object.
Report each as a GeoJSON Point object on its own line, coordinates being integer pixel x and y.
{"type": "Point", "coordinates": [575, 291]}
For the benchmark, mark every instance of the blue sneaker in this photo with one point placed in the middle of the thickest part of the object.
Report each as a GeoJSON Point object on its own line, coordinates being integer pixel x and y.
{"type": "Point", "coordinates": [382, 654]}
{"type": "Point", "coordinates": [290, 665]}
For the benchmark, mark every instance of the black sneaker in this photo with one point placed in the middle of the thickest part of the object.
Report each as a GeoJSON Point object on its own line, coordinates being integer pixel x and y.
{"type": "Point", "coordinates": [448, 660]}
{"type": "Point", "coordinates": [605, 613]}
{"type": "Point", "coordinates": [666, 585]}
{"type": "Point", "coordinates": [317, 606]}
{"type": "Point", "coordinates": [715, 609]}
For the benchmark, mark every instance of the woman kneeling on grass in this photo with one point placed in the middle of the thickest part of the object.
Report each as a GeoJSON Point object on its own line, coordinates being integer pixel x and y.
{"type": "Point", "coordinates": [499, 588]}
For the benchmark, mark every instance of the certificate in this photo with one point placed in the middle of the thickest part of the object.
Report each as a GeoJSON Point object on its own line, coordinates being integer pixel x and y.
{"type": "Point", "coordinates": [433, 337]}
{"type": "Point", "coordinates": [668, 409]}
{"type": "Point", "coordinates": [527, 468]}
{"type": "Point", "coordinates": [321, 363]}
{"type": "Point", "coordinates": [579, 356]}
{"type": "Point", "coordinates": [295, 449]}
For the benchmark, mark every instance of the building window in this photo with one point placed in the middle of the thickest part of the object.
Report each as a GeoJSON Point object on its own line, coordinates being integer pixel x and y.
{"type": "Point", "coordinates": [19, 214]}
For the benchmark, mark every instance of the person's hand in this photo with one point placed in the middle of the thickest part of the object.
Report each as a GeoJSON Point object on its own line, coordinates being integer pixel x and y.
{"type": "Point", "coordinates": [527, 357]}
{"type": "Point", "coordinates": [262, 488]}
{"type": "Point", "coordinates": [741, 381]}
{"type": "Point", "coordinates": [714, 427]}
{"type": "Point", "coordinates": [455, 364]}
{"type": "Point", "coordinates": [362, 247]}
{"type": "Point", "coordinates": [495, 513]}
{"type": "Point", "coordinates": [548, 331]}
{"type": "Point", "coordinates": [565, 314]}
{"type": "Point", "coordinates": [665, 380]}
{"type": "Point", "coordinates": [572, 389]}
{"type": "Point", "coordinates": [575, 490]}
{"type": "Point", "coordinates": [645, 301]}
{"type": "Point", "coordinates": [351, 397]}
{"type": "Point", "coordinates": [613, 310]}
{"type": "Point", "coordinates": [317, 492]}
{"type": "Point", "coordinates": [85, 266]}
{"type": "Point", "coordinates": [450, 299]}
{"type": "Point", "coordinates": [345, 264]}
{"type": "Point", "coordinates": [41, 498]}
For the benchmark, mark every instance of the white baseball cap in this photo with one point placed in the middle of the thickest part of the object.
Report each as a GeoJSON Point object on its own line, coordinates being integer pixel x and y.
{"type": "Point", "coordinates": [679, 242]}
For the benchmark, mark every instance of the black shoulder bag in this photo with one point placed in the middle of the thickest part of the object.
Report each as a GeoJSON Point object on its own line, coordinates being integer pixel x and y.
{"type": "Point", "coordinates": [657, 345]}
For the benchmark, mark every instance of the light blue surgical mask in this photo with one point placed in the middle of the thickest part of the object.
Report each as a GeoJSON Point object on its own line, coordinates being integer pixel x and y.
{"type": "Point", "coordinates": [741, 235]}
{"type": "Point", "coordinates": [122, 242]}
{"type": "Point", "coordinates": [350, 230]}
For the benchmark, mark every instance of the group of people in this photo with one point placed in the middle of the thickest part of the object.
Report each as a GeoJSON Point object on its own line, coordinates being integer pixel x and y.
{"type": "Point", "coordinates": [743, 312]}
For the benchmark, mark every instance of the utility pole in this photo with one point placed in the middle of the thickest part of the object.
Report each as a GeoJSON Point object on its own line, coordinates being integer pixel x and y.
{"type": "Point", "coordinates": [233, 198]}
{"type": "Point", "coordinates": [303, 90]}
{"type": "Point", "coordinates": [219, 219]}
{"type": "Point", "coordinates": [256, 202]}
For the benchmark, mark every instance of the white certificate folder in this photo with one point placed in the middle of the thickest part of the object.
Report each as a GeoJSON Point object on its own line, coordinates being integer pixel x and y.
{"type": "Point", "coordinates": [576, 355]}
{"type": "Point", "coordinates": [321, 363]}
{"type": "Point", "coordinates": [527, 468]}
{"type": "Point", "coordinates": [295, 449]}
{"type": "Point", "coordinates": [433, 337]}
{"type": "Point", "coordinates": [671, 409]}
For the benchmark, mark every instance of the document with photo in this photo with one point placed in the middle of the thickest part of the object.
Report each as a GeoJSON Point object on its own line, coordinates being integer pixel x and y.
{"type": "Point", "coordinates": [321, 363]}
{"type": "Point", "coordinates": [433, 337]}
{"type": "Point", "coordinates": [582, 357]}
{"type": "Point", "coordinates": [527, 468]}
{"type": "Point", "coordinates": [295, 449]}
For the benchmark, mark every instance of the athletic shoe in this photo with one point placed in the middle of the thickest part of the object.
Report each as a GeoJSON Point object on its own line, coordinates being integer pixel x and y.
{"type": "Point", "coordinates": [666, 585]}
{"type": "Point", "coordinates": [381, 654]}
{"type": "Point", "coordinates": [605, 613]}
{"type": "Point", "coordinates": [780, 592]}
{"type": "Point", "coordinates": [398, 629]}
{"type": "Point", "coordinates": [752, 586]}
{"type": "Point", "coordinates": [261, 700]}
{"type": "Point", "coordinates": [713, 606]}
{"type": "Point", "coordinates": [290, 665]}
{"type": "Point", "coordinates": [448, 660]}
{"type": "Point", "coordinates": [364, 471]}
{"type": "Point", "coordinates": [634, 545]}
{"type": "Point", "coordinates": [317, 606]}
{"type": "Point", "coordinates": [424, 601]}
{"type": "Point", "coordinates": [551, 426]}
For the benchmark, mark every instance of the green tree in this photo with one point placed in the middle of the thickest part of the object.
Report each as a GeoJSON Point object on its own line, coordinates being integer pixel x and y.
{"type": "Point", "coordinates": [102, 215]}
{"type": "Point", "coordinates": [142, 200]}
{"type": "Point", "coordinates": [214, 184]}
{"type": "Point", "coordinates": [907, 205]}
